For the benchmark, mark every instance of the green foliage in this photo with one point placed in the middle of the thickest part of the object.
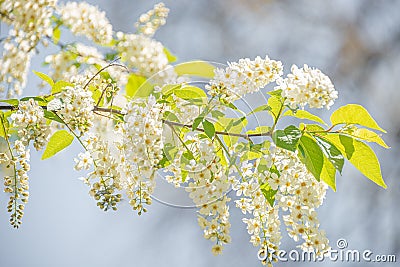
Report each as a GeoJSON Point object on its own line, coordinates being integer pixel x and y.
{"type": "Point", "coordinates": [287, 138]}
{"type": "Point", "coordinates": [137, 86]}
{"type": "Point", "coordinates": [354, 114]}
{"type": "Point", "coordinates": [360, 155]}
{"type": "Point", "coordinates": [303, 114]}
{"type": "Point", "coordinates": [171, 57]}
{"type": "Point", "coordinates": [268, 193]}
{"type": "Point", "coordinates": [59, 86]}
{"type": "Point", "coordinates": [209, 129]}
{"type": "Point", "coordinates": [58, 141]}
{"type": "Point", "coordinates": [311, 155]}
{"type": "Point", "coordinates": [45, 78]}
{"type": "Point", "coordinates": [332, 153]}
{"type": "Point", "coordinates": [196, 68]}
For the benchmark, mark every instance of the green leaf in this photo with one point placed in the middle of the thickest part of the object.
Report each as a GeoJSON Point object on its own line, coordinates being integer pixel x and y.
{"type": "Point", "coordinates": [197, 122]}
{"type": "Point", "coordinates": [170, 88]}
{"type": "Point", "coordinates": [332, 152]}
{"type": "Point", "coordinates": [58, 141]}
{"type": "Point", "coordinates": [59, 86]}
{"type": "Point", "coordinates": [265, 107]}
{"type": "Point", "coordinates": [360, 155]}
{"type": "Point", "coordinates": [138, 86]}
{"type": "Point", "coordinates": [287, 138]}
{"type": "Point", "coordinates": [217, 114]}
{"type": "Point", "coordinates": [311, 155]}
{"type": "Point", "coordinates": [311, 128]}
{"type": "Point", "coordinates": [52, 116]}
{"type": "Point", "coordinates": [369, 136]}
{"type": "Point", "coordinates": [190, 92]}
{"type": "Point", "coordinates": [268, 193]}
{"type": "Point", "coordinates": [196, 68]}
{"type": "Point", "coordinates": [328, 173]}
{"type": "Point", "coordinates": [171, 57]}
{"type": "Point", "coordinates": [44, 77]}
{"type": "Point", "coordinates": [56, 35]}
{"type": "Point", "coordinates": [275, 104]}
{"type": "Point", "coordinates": [12, 102]}
{"type": "Point", "coordinates": [303, 114]}
{"type": "Point", "coordinates": [354, 114]}
{"type": "Point", "coordinates": [231, 125]}
{"type": "Point", "coordinates": [209, 129]}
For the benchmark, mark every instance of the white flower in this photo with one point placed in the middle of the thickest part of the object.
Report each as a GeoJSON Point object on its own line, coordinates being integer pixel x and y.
{"type": "Point", "coordinates": [307, 86]}
{"type": "Point", "coordinates": [31, 124]}
{"type": "Point", "coordinates": [77, 108]}
{"type": "Point", "coordinates": [243, 77]}
{"type": "Point", "coordinates": [149, 22]}
{"type": "Point", "coordinates": [85, 19]}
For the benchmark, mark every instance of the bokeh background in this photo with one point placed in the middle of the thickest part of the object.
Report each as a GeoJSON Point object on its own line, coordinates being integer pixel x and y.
{"type": "Point", "coordinates": [357, 43]}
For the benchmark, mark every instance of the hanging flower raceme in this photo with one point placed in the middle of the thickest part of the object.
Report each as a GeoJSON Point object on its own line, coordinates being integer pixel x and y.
{"type": "Point", "coordinates": [85, 19]}
{"type": "Point", "coordinates": [31, 124]}
{"type": "Point", "coordinates": [307, 86]}
{"type": "Point", "coordinates": [243, 77]}
{"type": "Point", "coordinates": [30, 22]}
{"type": "Point", "coordinates": [75, 106]}
{"type": "Point", "coordinates": [149, 22]}
{"type": "Point", "coordinates": [297, 195]}
{"type": "Point", "coordinates": [16, 181]}
{"type": "Point", "coordinates": [140, 149]}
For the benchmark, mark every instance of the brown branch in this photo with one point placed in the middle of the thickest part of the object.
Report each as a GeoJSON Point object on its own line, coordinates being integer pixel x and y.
{"type": "Point", "coordinates": [170, 123]}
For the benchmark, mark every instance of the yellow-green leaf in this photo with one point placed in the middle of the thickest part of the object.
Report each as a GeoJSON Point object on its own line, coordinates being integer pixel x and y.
{"type": "Point", "coordinates": [354, 114]}
{"type": "Point", "coordinates": [196, 68]}
{"type": "Point", "coordinates": [59, 86]}
{"type": "Point", "coordinates": [44, 77]}
{"type": "Point", "coordinates": [328, 173]}
{"type": "Point", "coordinates": [303, 114]}
{"type": "Point", "coordinates": [171, 57]}
{"type": "Point", "coordinates": [368, 136]}
{"type": "Point", "coordinates": [311, 155]}
{"type": "Point", "coordinates": [360, 155]}
{"type": "Point", "coordinates": [56, 35]}
{"type": "Point", "coordinates": [190, 92]}
{"type": "Point", "coordinates": [259, 130]}
{"type": "Point", "coordinates": [276, 105]}
{"type": "Point", "coordinates": [58, 141]}
{"type": "Point", "coordinates": [133, 84]}
{"type": "Point", "coordinates": [231, 125]}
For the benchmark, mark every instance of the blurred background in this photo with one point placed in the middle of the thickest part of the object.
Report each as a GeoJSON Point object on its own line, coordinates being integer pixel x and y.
{"type": "Point", "coordinates": [356, 43]}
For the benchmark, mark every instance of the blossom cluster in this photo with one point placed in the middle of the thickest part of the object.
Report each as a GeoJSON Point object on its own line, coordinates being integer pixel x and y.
{"type": "Point", "coordinates": [16, 182]}
{"type": "Point", "coordinates": [31, 124]}
{"type": "Point", "coordinates": [31, 22]}
{"type": "Point", "coordinates": [149, 22]}
{"type": "Point", "coordinates": [207, 184]}
{"type": "Point", "coordinates": [243, 77]}
{"type": "Point", "coordinates": [85, 19]}
{"type": "Point", "coordinates": [307, 86]}
{"type": "Point", "coordinates": [75, 106]}
{"type": "Point", "coordinates": [141, 149]}
{"type": "Point", "coordinates": [297, 195]}
{"type": "Point", "coordinates": [105, 176]}
{"type": "Point", "coordinates": [142, 53]}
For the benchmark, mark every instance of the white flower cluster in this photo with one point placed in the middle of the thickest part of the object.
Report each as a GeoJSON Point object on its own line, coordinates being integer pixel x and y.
{"type": "Point", "coordinates": [207, 184]}
{"type": "Point", "coordinates": [30, 21]}
{"type": "Point", "coordinates": [31, 124]}
{"type": "Point", "coordinates": [143, 53]}
{"type": "Point", "coordinates": [298, 194]}
{"type": "Point", "coordinates": [140, 149]}
{"type": "Point", "coordinates": [264, 226]}
{"type": "Point", "coordinates": [245, 76]}
{"type": "Point", "coordinates": [16, 184]}
{"type": "Point", "coordinates": [105, 172]}
{"type": "Point", "coordinates": [85, 19]}
{"type": "Point", "coordinates": [307, 86]}
{"type": "Point", "coordinates": [75, 106]}
{"type": "Point", "coordinates": [149, 22]}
